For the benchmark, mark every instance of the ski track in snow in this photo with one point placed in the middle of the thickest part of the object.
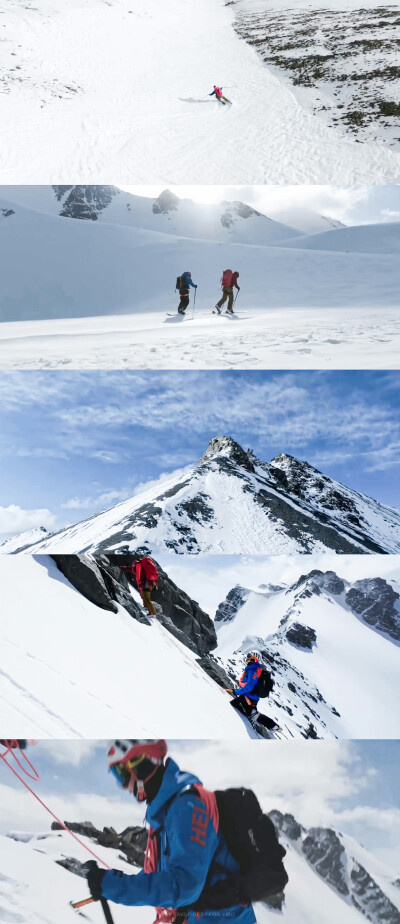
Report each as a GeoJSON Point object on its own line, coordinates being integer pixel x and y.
{"type": "Point", "coordinates": [353, 338]}
{"type": "Point", "coordinates": [83, 97]}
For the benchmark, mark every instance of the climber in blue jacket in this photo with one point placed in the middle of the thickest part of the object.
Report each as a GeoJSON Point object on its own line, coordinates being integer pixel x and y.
{"type": "Point", "coordinates": [184, 851]}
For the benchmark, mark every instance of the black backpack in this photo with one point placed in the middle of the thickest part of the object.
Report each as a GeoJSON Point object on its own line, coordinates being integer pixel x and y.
{"type": "Point", "coordinates": [178, 282]}
{"type": "Point", "coordinates": [252, 840]}
{"type": "Point", "coordinates": [265, 684]}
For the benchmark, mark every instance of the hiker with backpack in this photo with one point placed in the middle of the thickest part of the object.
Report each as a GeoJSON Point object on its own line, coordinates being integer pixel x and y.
{"type": "Point", "coordinates": [146, 575]}
{"type": "Point", "coordinates": [183, 284]}
{"type": "Point", "coordinates": [217, 92]}
{"type": "Point", "coordinates": [228, 282]}
{"type": "Point", "coordinates": [254, 683]}
{"type": "Point", "coordinates": [208, 854]}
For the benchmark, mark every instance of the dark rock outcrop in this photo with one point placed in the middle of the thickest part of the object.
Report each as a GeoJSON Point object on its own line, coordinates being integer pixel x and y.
{"type": "Point", "coordinates": [315, 581]}
{"type": "Point", "coordinates": [84, 202]}
{"type": "Point", "coordinates": [233, 602]}
{"type": "Point", "coordinates": [103, 585]}
{"type": "Point", "coordinates": [368, 897]}
{"type": "Point", "coordinates": [286, 824]}
{"type": "Point", "coordinates": [181, 615]}
{"type": "Point", "coordinates": [216, 672]}
{"type": "Point", "coordinates": [303, 636]}
{"type": "Point", "coordinates": [376, 602]}
{"type": "Point", "coordinates": [131, 842]}
{"type": "Point", "coordinates": [324, 851]}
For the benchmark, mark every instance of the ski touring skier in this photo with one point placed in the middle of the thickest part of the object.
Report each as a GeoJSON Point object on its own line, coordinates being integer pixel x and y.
{"type": "Point", "coordinates": [247, 696]}
{"type": "Point", "coordinates": [183, 284]}
{"type": "Point", "coordinates": [229, 281]}
{"type": "Point", "coordinates": [190, 871]}
{"type": "Point", "coordinates": [146, 575]}
{"type": "Point", "coordinates": [217, 92]}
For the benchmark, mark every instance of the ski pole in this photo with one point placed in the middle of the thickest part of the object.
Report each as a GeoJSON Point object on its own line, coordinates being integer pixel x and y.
{"type": "Point", "coordinates": [194, 302]}
{"type": "Point", "coordinates": [237, 293]}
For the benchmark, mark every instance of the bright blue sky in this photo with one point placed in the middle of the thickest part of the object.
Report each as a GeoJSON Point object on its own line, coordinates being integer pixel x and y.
{"type": "Point", "coordinates": [76, 443]}
{"type": "Point", "coordinates": [352, 785]}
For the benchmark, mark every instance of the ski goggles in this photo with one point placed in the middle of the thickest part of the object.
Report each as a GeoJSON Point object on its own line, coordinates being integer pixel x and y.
{"type": "Point", "coordinates": [124, 773]}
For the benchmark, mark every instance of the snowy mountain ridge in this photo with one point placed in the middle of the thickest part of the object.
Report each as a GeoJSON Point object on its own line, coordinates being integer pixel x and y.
{"type": "Point", "coordinates": [307, 634]}
{"type": "Point", "coordinates": [233, 502]}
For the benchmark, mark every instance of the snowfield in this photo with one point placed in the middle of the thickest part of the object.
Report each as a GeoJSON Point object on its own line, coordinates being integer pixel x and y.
{"type": "Point", "coordinates": [119, 90]}
{"type": "Point", "coordinates": [96, 293]}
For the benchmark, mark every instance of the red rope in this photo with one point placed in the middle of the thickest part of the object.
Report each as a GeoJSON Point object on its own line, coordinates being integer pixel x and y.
{"type": "Point", "coordinates": [11, 746]}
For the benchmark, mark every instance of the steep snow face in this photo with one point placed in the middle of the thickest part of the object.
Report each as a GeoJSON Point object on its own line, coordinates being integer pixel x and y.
{"type": "Point", "coordinates": [306, 220]}
{"type": "Point", "coordinates": [73, 669]}
{"type": "Point", "coordinates": [232, 502]}
{"type": "Point", "coordinates": [323, 868]}
{"type": "Point", "coordinates": [332, 645]}
{"type": "Point", "coordinates": [87, 63]}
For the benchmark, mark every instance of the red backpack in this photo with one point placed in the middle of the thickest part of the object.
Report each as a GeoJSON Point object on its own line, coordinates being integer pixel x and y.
{"type": "Point", "coordinates": [149, 569]}
{"type": "Point", "coordinates": [227, 278]}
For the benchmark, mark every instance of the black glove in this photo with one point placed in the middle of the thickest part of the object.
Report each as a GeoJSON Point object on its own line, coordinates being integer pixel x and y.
{"type": "Point", "coordinates": [94, 876]}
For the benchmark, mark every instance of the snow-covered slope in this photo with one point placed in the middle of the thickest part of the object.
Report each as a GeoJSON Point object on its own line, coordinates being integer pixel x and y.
{"type": "Point", "coordinates": [331, 878]}
{"type": "Point", "coordinates": [23, 540]}
{"type": "Point", "coordinates": [82, 96]}
{"type": "Point", "coordinates": [232, 502]}
{"type": "Point", "coordinates": [333, 646]}
{"type": "Point", "coordinates": [358, 239]}
{"type": "Point", "coordinates": [72, 669]}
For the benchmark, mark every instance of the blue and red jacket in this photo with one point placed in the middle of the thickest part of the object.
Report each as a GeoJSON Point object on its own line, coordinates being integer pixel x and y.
{"type": "Point", "coordinates": [249, 681]}
{"type": "Point", "coordinates": [187, 856]}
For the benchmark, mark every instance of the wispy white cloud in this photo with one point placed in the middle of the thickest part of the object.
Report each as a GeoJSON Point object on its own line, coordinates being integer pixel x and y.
{"type": "Point", "coordinates": [14, 519]}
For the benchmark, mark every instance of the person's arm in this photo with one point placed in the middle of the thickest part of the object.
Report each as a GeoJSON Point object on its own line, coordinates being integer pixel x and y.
{"type": "Point", "coordinates": [138, 572]}
{"type": "Point", "coordinates": [212, 94]}
{"type": "Point", "coordinates": [191, 283]}
{"type": "Point", "coordinates": [192, 842]}
{"type": "Point", "coordinates": [251, 681]}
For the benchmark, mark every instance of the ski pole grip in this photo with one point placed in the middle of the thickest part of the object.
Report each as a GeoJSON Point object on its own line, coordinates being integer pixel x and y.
{"type": "Point", "coordinates": [85, 901]}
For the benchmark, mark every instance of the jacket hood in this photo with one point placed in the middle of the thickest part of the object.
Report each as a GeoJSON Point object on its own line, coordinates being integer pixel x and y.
{"type": "Point", "coordinates": [174, 781]}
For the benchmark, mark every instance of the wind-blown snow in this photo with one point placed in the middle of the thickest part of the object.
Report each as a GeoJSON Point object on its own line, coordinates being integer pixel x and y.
{"type": "Point", "coordinates": [120, 90]}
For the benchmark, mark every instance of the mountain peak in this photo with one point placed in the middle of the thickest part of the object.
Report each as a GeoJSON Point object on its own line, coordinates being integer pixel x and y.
{"type": "Point", "coordinates": [166, 202]}
{"type": "Point", "coordinates": [226, 446]}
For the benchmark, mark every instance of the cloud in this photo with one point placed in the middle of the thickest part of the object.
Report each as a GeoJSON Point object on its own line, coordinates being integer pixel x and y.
{"type": "Point", "coordinates": [14, 519]}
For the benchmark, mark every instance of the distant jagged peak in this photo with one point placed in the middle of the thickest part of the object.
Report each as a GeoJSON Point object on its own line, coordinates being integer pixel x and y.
{"type": "Point", "coordinates": [317, 580]}
{"type": "Point", "coordinates": [84, 202]}
{"type": "Point", "coordinates": [234, 210]}
{"type": "Point", "coordinates": [228, 447]}
{"type": "Point", "coordinates": [166, 202]}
